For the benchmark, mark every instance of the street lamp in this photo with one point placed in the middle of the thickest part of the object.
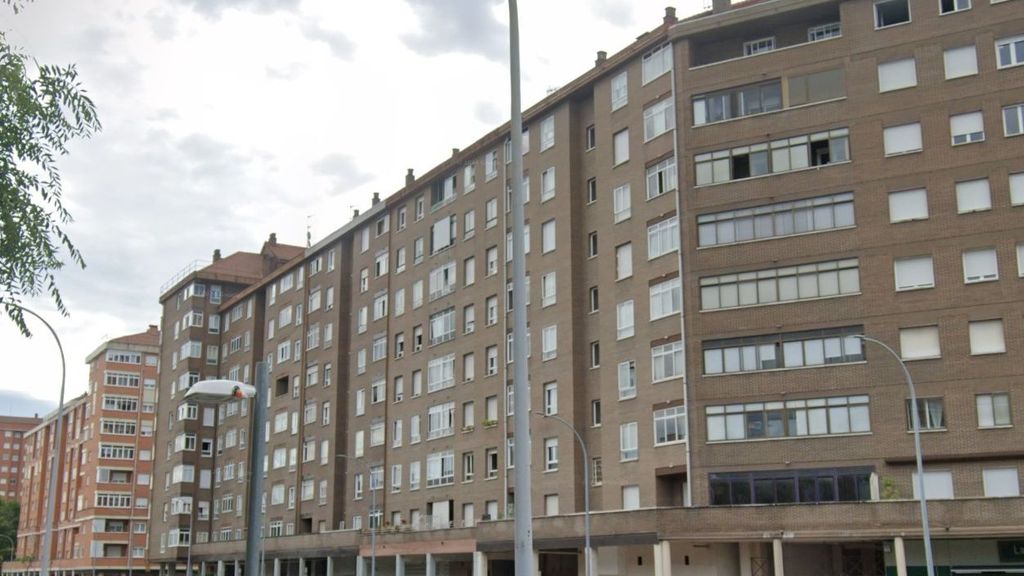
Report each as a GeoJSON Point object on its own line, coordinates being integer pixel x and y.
{"type": "Point", "coordinates": [587, 560]}
{"type": "Point", "coordinates": [44, 565]}
{"type": "Point", "coordinates": [916, 423]}
{"type": "Point", "coordinates": [369, 517]}
{"type": "Point", "coordinates": [215, 392]}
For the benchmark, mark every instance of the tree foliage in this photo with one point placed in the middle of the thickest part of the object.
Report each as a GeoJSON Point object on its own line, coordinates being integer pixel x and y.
{"type": "Point", "coordinates": [10, 512]}
{"type": "Point", "coordinates": [42, 108]}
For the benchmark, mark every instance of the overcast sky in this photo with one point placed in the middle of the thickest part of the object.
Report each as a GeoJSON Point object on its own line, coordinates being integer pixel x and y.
{"type": "Point", "coordinates": [225, 120]}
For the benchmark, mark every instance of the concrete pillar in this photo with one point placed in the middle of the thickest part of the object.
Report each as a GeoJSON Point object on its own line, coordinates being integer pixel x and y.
{"type": "Point", "coordinates": [238, 569]}
{"type": "Point", "coordinates": [360, 566]}
{"type": "Point", "coordinates": [399, 565]}
{"type": "Point", "coordinates": [431, 569]}
{"type": "Point", "coordinates": [901, 556]}
{"type": "Point", "coordinates": [746, 551]}
{"type": "Point", "coordinates": [329, 571]}
{"type": "Point", "coordinates": [479, 564]}
{"type": "Point", "coordinates": [663, 558]}
{"type": "Point", "coordinates": [536, 563]}
{"type": "Point", "coordinates": [777, 556]}
{"type": "Point", "coordinates": [302, 567]}
{"type": "Point", "coordinates": [202, 568]}
{"type": "Point", "coordinates": [220, 568]}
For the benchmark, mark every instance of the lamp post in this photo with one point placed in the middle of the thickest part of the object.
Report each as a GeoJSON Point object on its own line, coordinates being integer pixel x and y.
{"type": "Point", "coordinates": [369, 517]}
{"type": "Point", "coordinates": [44, 564]}
{"type": "Point", "coordinates": [217, 391]}
{"type": "Point", "coordinates": [916, 423]}
{"type": "Point", "coordinates": [587, 560]}
{"type": "Point", "coordinates": [13, 547]}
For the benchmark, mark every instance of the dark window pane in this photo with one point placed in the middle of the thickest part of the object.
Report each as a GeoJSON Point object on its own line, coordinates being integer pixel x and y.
{"type": "Point", "coordinates": [847, 488]}
{"type": "Point", "coordinates": [740, 491]}
{"type": "Point", "coordinates": [764, 491]}
{"type": "Point", "coordinates": [785, 490]}
{"type": "Point", "coordinates": [720, 493]}
{"type": "Point", "coordinates": [755, 424]}
{"type": "Point", "coordinates": [826, 489]}
{"type": "Point", "coordinates": [776, 428]}
{"type": "Point", "coordinates": [808, 492]}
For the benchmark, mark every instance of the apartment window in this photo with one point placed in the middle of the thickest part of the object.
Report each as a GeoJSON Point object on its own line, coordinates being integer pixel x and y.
{"type": "Point", "coordinates": [547, 233]}
{"type": "Point", "coordinates": [441, 420]}
{"type": "Point", "coordinates": [914, 273]}
{"type": "Point", "coordinates": [897, 75]}
{"type": "Point", "coordinates": [492, 360]}
{"type": "Point", "coordinates": [620, 147]}
{"type": "Point", "coordinates": [967, 128]}
{"type": "Point", "coordinates": [1013, 117]}
{"type": "Point", "coordinates": [595, 301]}
{"type": "Point", "coordinates": [592, 244]}
{"type": "Point", "coordinates": [891, 13]}
{"type": "Point", "coordinates": [669, 425]}
{"type": "Point", "coordinates": [987, 337]}
{"type": "Point", "coordinates": [624, 320]}
{"type": "Point", "coordinates": [591, 137]}
{"type": "Point", "coordinates": [787, 284]}
{"type": "Point", "coordinates": [1000, 482]}
{"type": "Point", "coordinates": [793, 418]}
{"type": "Point", "coordinates": [752, 47]}
{"type": "Point", "coordinates": [931, 413]}
{"type": "Point", "coordinates": [441, 373]}
{"type": "Point", "coordinates": [1017, 189]}
{"type": "Point", "coordinates": [620, 90]}
{"type": "Point", "coordinates": [547, 184]}
{"type": "Point", "coordinates": [547, 133]}
{"type": "Point", "coordinates": [920, 343]}
{"type": "Point", "coordinates": [980, 265]}
{"type": "Point", "coordinates": [666, 299]}
{"type": "Point", "coordinates": [1020, 260]}
{"type": "Point", "coordinates": [380, 347]}
{"type": "Point", "coordinates": [737, 102]}
{"type": "Point", "coordinates": [621, 203]}
{"type": "Point", "coordinates": [595, 354]}
{"type": "Point", "coordinates": [657, 62]}
{"type": "Point", "coordinates": [628, 447]}
{"type": "Point", "coordinates": [659, 118]}
{"type": "Point", "coordinates": [661, 178]}
{"type": "Point", "coordinates": [1010, 51]}
{"type": "Point", "coordinates": [550, 454]}
{"type": "Point", "coordinates": [993, 410]}
{"type": "Point", "coordinates": [902, 139]}
{"type": "Point", "coordinates": [776, 220]}
{"type": "Point", "coordinates": [595, 413]}
{"type": "Point", "coordinates": [960, 62]}
{"type": "Point", "coordinates": [785, 350]}
{"type": "Point", "coordinates": [775, 157]}
{"type": "Point", "coordinates": [491, 165]}
{"type": "Point", "coordinates": [667, 361]}
{"type": "Point", "coordinates": [938, 485]}
{"type": "Point", "coordinates": [627, 379]}
{"type": "Point", "coordinates": [591, 190]}
{"type": "Point", "coordinates": [548, 289]}
{"type": "Point", "coordinates": [549, 343]}
{"type": "Point", "coordinates": [441, 468]}
{"type": "Point", "coordinates": [950, 6]}
{"type": "Point", "coordinates": [790, 486]}
{"type": "Point", "coordinates": [551, 398]}
{"type": "Point", "coordinates": [907, 205]}
{"type": "Point", "coordinates": [663, 237]}
{"type": "Point", "coordinates": [623, 261]}
{"type": "Point", "coordinates": [824, 32]}
{"type": "Point", "coordinates": [491, 462]}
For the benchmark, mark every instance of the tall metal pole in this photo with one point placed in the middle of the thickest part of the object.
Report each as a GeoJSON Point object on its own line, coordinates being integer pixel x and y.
{"type": "Point", "coordinates": [44, 564]}
{"type": "Point", "coordinates": [916, 423]}
{"type": "Point", "coordinates": [369, 517]}
{"type": "Point", "coordinates": [259, 448]}
{"type": "Point", "coordinates": [587, 560]}
{"type": "Point", "coordinates": [520, 372]}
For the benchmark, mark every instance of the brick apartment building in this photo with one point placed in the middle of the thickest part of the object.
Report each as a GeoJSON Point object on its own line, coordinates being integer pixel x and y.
{"type": "Point", "coordinates": [102, 509]}
{"type": "Point", "coordinates": [714, 214]}
{"type": "Point", "coordinates": [12, 454]}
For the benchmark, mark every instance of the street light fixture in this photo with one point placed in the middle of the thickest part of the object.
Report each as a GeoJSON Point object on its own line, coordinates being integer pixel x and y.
{"type": "Point", "coordinates": [588, 561]}
{"type": "Point", "coordinates": [369, 517]}
{"type": "Point", "coordinates": [51, 495]}
{"type": "Point", "coordinates": [916, 423]}
{"type": "Point", "coordinates": [216, 392]}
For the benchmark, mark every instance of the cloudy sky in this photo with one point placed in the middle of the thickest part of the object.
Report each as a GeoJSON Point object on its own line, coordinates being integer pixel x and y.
{"type": "Point", "coordinates": [225, 120]}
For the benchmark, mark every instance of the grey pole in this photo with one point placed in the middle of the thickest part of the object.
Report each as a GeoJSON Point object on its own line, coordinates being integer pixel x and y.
{"type": "Point", "coordinates": [520, 377]}
{"type": "Point", "coordinates": [44, 564]}
{"type": "Point", "coordinates": [259, 448]}
{"type": "Point", "coordinates": [369, 517]}
{"type": "Point", "coordinates": [916, 423]}
{"type": "Point", "coordinates": [586, 493]}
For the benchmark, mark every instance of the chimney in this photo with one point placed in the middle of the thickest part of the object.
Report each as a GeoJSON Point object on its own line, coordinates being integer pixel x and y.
{"type": "Point", "coordinates": [720, 5]}
{"type": "Point", "coordinates": [376, 199]}
{"type": "Point", "coordinates": [670, 15]}
{"type": "Point", "coordinates": [601, 57]}
{"type": "Point", "coordinates": [355, 213]}
{"type": "Point", "coordinates": [409, 177]}
{"type": "Point", "coordinates": [455, 152]}
{"type": "Point", "coordinates": [216, 255]}
{"type": "Point", "coordinates": [273, 238]}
